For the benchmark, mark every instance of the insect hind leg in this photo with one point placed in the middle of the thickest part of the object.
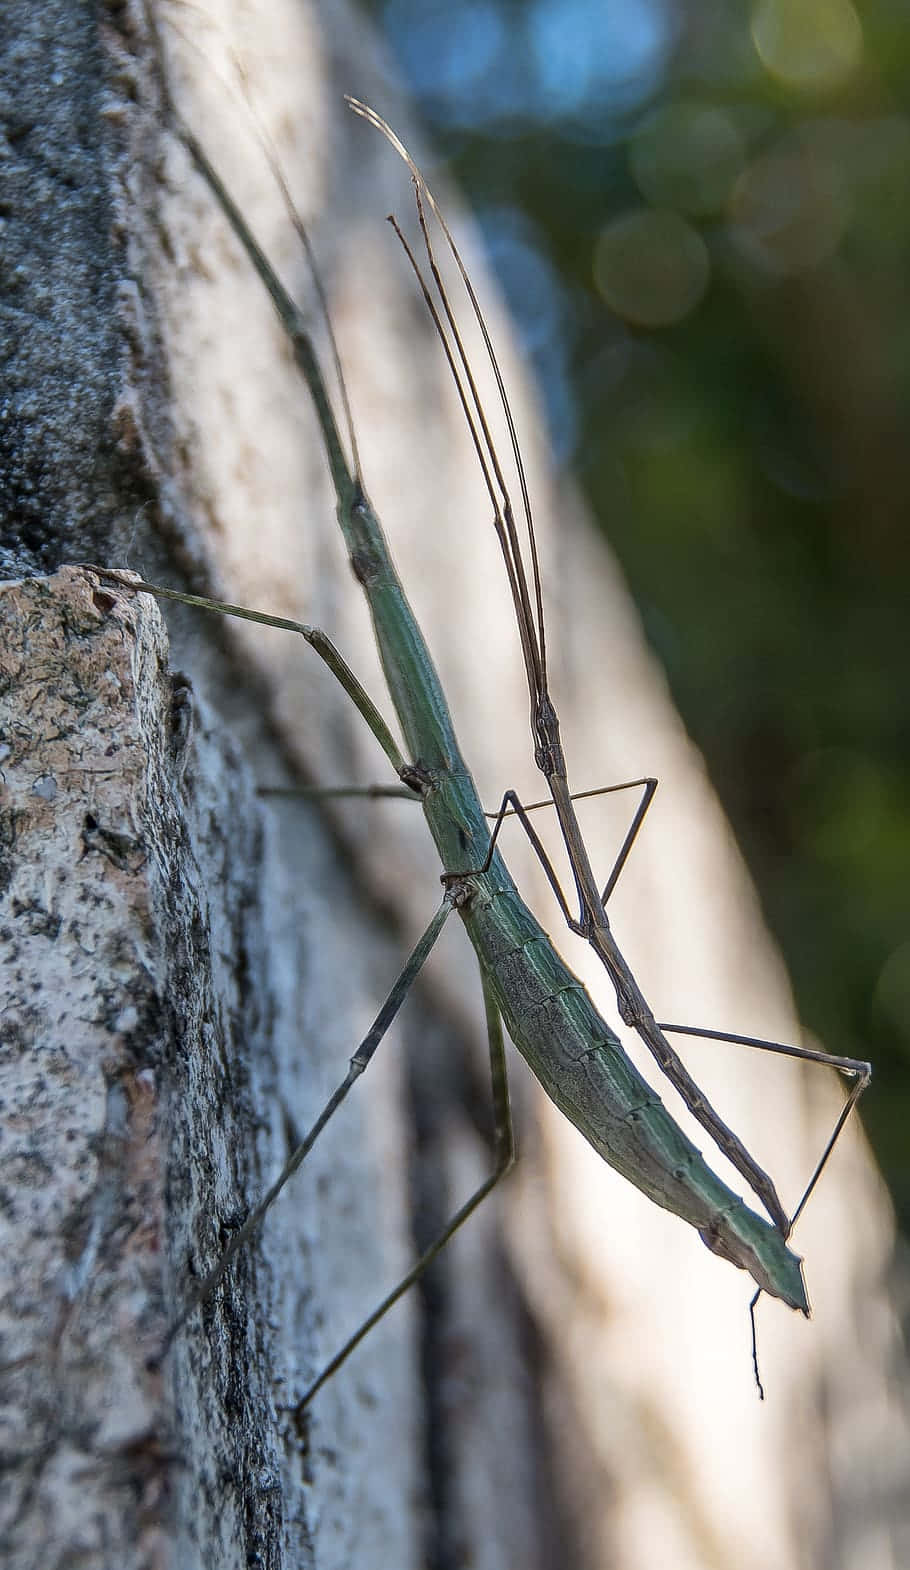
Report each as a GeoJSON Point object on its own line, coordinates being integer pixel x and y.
{"type": "Point", "coordinates": [859, 1071]}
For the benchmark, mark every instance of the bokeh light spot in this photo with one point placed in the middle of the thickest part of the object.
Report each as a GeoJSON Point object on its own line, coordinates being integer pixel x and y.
{"type": "Point", "coordinates": [891, 999]}
{"type": "Point", "coordinates": [789, 210]}
{"type": "Point", "coordinates": [808, 44]}
{"type": "Point", "coordinates": [592, 55]}
{"type": "Point", "coordinates": [456, 58]}
{"type": "Point", "coordinates": [687, 157]}
{"type": "Point", "coordinates": [651, 267]}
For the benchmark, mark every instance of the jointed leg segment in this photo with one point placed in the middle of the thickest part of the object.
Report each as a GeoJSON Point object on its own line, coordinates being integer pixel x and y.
{"type": "Point", "coordinates": [359, 1062]}
{"type": "Point", "coordinates": [504, 1145]}
{"type": "Point", "coordinates": [512, 806]}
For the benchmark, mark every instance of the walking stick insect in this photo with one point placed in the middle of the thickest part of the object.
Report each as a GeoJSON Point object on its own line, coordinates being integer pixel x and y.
{"type": "Point", "coordinates": [576, 1056]}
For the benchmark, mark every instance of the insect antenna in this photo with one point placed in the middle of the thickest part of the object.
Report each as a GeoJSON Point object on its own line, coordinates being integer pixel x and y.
{"type": "Point", "coordinates": [528, 609]}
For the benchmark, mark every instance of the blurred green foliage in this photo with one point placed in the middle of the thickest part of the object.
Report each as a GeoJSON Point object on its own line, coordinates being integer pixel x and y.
{"type": "Point", "coordinates": [701, 213]}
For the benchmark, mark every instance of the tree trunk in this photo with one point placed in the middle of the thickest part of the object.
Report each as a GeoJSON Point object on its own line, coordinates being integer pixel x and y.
{"type": "Point", "coordinates": [189, 968]}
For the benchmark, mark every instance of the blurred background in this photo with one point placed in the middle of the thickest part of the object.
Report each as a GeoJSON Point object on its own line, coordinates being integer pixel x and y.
{"type": "Point", "coordinates": [699, 211]}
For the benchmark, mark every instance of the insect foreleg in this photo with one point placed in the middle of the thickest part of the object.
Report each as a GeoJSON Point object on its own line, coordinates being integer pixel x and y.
{"type": "Point", "coordinates": [319, 641]}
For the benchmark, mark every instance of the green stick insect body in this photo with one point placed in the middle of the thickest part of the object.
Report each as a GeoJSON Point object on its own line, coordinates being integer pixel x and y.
{"type": "Point", "coordinates": [548, 1014]}
{"type": "Point", "coordinates": [573, 1052]}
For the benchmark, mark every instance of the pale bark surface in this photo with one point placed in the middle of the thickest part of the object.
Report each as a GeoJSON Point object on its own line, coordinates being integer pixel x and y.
{"type": "Point", "coordinates": [580, 1391]}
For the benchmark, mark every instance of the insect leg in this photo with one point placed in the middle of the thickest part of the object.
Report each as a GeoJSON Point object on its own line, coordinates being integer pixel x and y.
{"type": "Point", "coordinates": [504, 1156]}
{"type": "Point", "coordinates": [860, 1072]}
{"type": "Point", "coordinates": [359, 1062]}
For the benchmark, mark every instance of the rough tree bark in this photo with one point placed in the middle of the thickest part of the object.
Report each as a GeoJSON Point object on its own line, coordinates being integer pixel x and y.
{"type": "Point", "coordinates": [188, 970]}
